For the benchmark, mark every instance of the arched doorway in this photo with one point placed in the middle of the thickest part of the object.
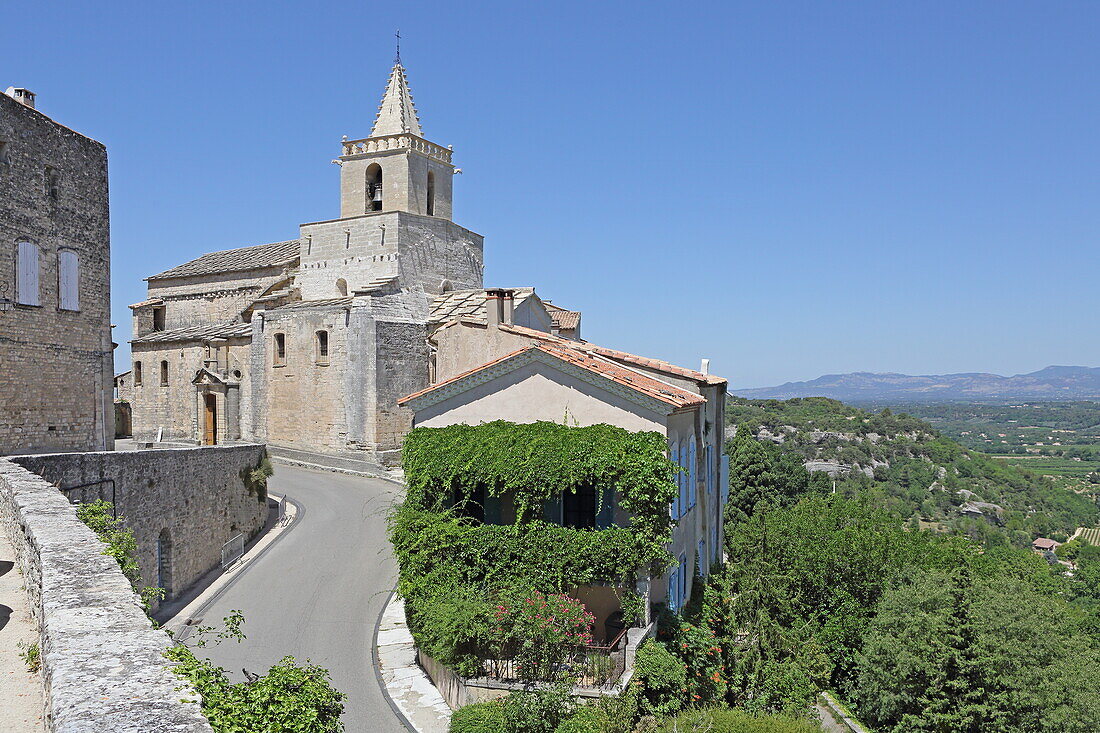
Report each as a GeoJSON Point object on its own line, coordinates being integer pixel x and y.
{"type": "Point", "coordinates": [210, 419]}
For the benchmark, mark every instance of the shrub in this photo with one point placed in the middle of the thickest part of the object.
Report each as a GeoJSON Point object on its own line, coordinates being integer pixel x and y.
{"type": "Point", "coordinates": [730, 720]}
{"type": "Point", "coordinates": [542, 631]}
{"type": "Point", "coordinates": [539, 710]}
{"type": "Point", "coordinates": [660, 678]}
{"type": "Point", "coordinates": [587, 719]}
{"type": "Point", "coordinates": [481, 717]}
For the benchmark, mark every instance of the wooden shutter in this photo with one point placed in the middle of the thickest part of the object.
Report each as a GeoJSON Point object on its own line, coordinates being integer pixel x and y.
{"type": "Point", "coordinates": [693, 476]}
{"type": "Point", "coordinates": [26, 274]}
{"type": "Point", "coordinates": [68, 276]}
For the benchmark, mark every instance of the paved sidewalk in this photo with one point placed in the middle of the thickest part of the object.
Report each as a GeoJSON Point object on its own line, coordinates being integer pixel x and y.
{"type": "Point", "coordinates": [407, 685]}
{"type": "Point", "coordinates": [21, 701]}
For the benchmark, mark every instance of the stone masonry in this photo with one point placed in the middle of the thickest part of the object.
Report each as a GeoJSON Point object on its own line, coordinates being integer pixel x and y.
{"type": "Point", "coordinates": [187, 502]}
{"type": "Point", "coordinates": [57, 364]}
{"type": "Point", "coordinates": [102, 662]}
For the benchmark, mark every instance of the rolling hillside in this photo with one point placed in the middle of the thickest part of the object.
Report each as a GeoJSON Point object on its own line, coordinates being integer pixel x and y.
{"type": "Point", "coordinates": [921, 474]}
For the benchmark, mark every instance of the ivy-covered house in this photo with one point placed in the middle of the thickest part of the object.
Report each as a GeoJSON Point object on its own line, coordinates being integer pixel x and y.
{"type": "Point", "coordinates": [487, 368]}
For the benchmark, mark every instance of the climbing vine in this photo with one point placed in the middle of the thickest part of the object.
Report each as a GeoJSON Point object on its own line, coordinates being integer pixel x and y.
{"type": "Point", "coordinates": [451, 567]}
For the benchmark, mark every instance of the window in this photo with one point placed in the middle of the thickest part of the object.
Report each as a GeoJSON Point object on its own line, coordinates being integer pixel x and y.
{"type": "Point", "coordinates": [164, 374]}
{"type": "Point", "coordinates": [137, 373]}
{"type": "Point", "coordinates": [158, 317]}
{"type": "Point", "coordinates": [374, 187]}
{"type": "Point", "coordinates": [431, 193]}
{"type": "Point", "coordinates": [674, 455]}
{"type": "Point", "coordinates": [280, 349]}
{"type": "Point", "coordinates": [51, 178]}
{"type": "Point", "coordinates": [579, 508]}
{"type": "Point", "coordinates": [342, 287]}
{"type": "Point", "coordinates": [26, 274]}
{"type": "Point", "coordinates": [681, 460]}
{"type": "Point", "coordinates": [673, 583]}
{"type": "Point", "coordinates": [322, 347]}
{"type": "Point", "coordinates": [68, 280]}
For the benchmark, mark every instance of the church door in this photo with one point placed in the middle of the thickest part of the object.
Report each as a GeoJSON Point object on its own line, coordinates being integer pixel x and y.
{"type": "Point", "coordinates": [210, 431]}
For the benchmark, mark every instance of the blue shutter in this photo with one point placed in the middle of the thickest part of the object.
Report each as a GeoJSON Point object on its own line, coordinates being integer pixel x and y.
{"type": "Point", "coordinates": [693, 476]}
{"type": "Point", "coordinates": [709, 456]}
{"type": "Point", "coordinates": [724, 478]}
{"type": "Point", "coordinates": [672, 584]}
{"type": "Point", "coordinates": [605, 514]}
{"type": "Point", "coordinates": [681, 459]}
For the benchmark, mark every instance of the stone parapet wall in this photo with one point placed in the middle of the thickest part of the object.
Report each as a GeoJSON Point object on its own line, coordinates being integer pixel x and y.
{"type": "Point", "coordinates": [194, 498]}
{"type": "Point", "coordinates": [102, 662]}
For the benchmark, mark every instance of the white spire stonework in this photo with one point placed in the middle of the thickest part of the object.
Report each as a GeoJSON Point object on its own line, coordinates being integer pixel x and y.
{"type": "Point", "coordinates": [396, 114]}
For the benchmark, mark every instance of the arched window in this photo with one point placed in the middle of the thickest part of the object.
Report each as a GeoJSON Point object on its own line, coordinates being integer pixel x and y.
{"type": "Point", "coordinates": [137, 373]}
{"type": "Point", "coordinates": [164, 373]}
{"type": "Point", "coordinates": [68, 280]}
{"type": "Point", "coordinates": [280, 349]}
{"type": "Point", "coordinates": [26, 274]}
{"type": "Point", "coordinates": [322, 347]}
{"type": "Point", "coordinates": [342, 287]}
{"type": "Point", "coordinates": [374, 187]}
{"type": "Point", "coordinates": [164, 562]}
{"type": "Point", "coordinates": [431, 193]}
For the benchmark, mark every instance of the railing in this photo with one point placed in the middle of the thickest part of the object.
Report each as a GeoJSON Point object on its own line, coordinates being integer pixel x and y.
{"type": "Point", "coordinates": [232, 550]}
{"type": "Point", "coordinates": [69, 492]}
{"type": "Point", "coordinates": [597, 666]}
{"type": "Point", "coordinates": [401, 141]}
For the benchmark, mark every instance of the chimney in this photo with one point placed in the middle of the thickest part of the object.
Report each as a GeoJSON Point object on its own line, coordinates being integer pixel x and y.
{"type": "Point", "coordinates": [24, 96]}
{"type": "Point", "coordinates": [508, 306]}
{"type": "Point", "coordinates": [705, 366]}
{"type": "Point", "coordinates": [493, 299]}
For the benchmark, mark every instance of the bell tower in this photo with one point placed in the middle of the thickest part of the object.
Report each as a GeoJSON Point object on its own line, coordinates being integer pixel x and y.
{"type": "Point", "coordinates": [396, 168]}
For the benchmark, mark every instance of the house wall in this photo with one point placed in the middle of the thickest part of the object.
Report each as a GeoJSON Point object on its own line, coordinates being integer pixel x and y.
{"type": "Point", "coordinates": [536, 392]}
{"type": "Point", "coordinates": [465, 346]}
{"type": "Point", "coordinates": [198, 495]}
{"type": "Point", "coordinates": [56, 367]}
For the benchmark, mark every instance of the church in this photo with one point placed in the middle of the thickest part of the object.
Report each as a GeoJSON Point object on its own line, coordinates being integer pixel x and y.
{"type": "Point", "coordinates": [307, 344]}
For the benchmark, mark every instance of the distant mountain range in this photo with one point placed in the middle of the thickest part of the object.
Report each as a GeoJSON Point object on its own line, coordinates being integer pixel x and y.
{"type": "Point", "coordinates": [1050, 384]}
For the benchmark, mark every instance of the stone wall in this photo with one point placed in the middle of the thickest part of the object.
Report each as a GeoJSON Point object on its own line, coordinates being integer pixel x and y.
{"type": "Point", "coordinates": [56, 367]}
{"type": "Point", "coordinates": [195, 499]}
{"type": "Point", "coordinates": [200, 300]}
{"type": "Point", "coordinates": [89, 622]}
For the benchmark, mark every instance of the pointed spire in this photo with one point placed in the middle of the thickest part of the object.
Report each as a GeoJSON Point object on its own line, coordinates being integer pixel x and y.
{"type": "Point", "coordinates": [397, 114]}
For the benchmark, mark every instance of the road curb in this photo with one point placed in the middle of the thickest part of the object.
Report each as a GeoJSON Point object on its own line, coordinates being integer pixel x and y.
{"type": "Point", "coordinates": [417, 695]}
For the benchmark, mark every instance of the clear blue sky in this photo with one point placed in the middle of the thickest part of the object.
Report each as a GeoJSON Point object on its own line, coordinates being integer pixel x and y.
{"type": "Point", "coordinates": [788, 188]}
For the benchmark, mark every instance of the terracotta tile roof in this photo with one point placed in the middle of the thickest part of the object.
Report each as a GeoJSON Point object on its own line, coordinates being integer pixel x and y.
{"type": "Point", "coordinates": [233, 260]}
{"type": "Point", "coordinates": [197, 333]}
{"type": "Point", "coordinates": [565, 320]}
{"type": "Point", "coordinates": [641, 361]}
{"type": "Point", "coordinates": [648, 386]}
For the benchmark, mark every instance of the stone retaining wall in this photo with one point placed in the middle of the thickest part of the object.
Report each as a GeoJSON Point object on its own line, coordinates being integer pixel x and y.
{"type": "Point", "coordinates": [194, 499]}
{"type": "Point", "coordinates": [102, 663]}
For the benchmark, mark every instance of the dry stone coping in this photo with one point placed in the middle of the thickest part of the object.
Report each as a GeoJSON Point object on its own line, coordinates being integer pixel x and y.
{"type": "Point", "coordinates": [102, 661]}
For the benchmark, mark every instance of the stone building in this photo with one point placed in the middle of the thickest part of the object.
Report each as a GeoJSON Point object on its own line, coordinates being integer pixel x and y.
{"type": "Point", "coordinates": [306, 344]}
{"type": "Point", "coordinates": [56, 364]}
{"type": "Point", "coordinates": [503, 356]}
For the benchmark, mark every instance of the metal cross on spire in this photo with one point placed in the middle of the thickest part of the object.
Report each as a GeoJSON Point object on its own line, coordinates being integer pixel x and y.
{"type": "Point", "coordinates": [397, 58]}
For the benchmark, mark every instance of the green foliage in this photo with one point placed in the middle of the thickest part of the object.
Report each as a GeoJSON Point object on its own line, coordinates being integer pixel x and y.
{"type": "Point", "coordinates": [121, 545]}
{"type": "Point", "coordinates": [31, 655]}
{"type": "Point", "coordinates": [729, 720]}
{"type": "Point", "coordinates": [255, 479]}
{"type": "Point", "coordinates": [539, 709]}
{"type": "Point", "coordinates": [534, 462]}
{"type": "Point", "coordinates": [480, 717]}
{"type": "Point", "coordinates": [660, 679]}
{"type": "Point", "coordinates": [290, 698]}
{"type": "Point", "coordinates": [951, 650]}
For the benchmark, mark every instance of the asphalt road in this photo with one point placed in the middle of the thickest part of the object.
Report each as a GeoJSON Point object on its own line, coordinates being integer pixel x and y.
{"type": "Point", "coordinates": [318, 590]}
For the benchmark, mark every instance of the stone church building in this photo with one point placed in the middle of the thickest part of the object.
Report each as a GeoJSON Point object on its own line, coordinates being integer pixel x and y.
{"type": "Point", "coordinates": [307, 344]}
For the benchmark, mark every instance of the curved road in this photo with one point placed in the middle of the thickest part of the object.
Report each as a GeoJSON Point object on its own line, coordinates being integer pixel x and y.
{"type": "Point", "coordinates": [318, 590]}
